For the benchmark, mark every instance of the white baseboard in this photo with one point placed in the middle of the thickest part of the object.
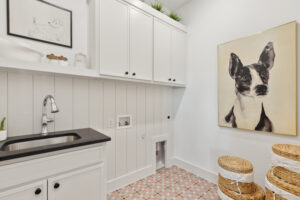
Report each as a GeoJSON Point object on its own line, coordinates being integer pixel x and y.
{"type": "Point", "coordinates": [197, 170]}
{"type": "Point", "coordinates": [122, 181]}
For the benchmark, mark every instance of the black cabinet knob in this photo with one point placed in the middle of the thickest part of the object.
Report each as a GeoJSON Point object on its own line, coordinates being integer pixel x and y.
{"type": "Point", "coordinates": [169, 117]}
{"type": "Point", "coordinates": [133, 74]}
{"type": "Point", "coordinates": [126, 73]}
{"type": "Point", "coordinates": [38, 191]}
{"type": "Point", "coordinates": [170, 79]}
{"type": "Point", "coordinates": [56, 185]}
{"type": "Point", "coordinates": [174, 80]}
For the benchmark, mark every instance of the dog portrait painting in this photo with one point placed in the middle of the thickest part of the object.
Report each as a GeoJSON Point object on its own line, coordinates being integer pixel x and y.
{"type": "Point", "coordinates": [257, 81]}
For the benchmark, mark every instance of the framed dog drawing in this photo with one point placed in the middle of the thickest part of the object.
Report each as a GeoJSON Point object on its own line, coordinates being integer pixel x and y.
{"type": "Point", "coordinates": [257, 81]}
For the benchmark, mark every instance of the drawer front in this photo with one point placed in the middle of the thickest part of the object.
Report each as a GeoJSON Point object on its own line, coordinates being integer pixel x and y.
{"type": "Point", "coordinates": [34, 191]}
{"type": "Point", "coordinates": [15, 174]}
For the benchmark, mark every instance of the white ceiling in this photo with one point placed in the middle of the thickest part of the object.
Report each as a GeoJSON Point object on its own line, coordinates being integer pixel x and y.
{"type": "Point", "coordinates": [171, 4]}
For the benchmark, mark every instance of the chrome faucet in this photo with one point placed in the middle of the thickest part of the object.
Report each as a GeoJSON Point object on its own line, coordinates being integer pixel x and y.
{"type": "Point", "coordinates": [45, 119]}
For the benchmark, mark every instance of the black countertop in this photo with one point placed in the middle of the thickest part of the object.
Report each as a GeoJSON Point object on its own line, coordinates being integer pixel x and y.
{"type": "Point", "coordinates": [87, 137]}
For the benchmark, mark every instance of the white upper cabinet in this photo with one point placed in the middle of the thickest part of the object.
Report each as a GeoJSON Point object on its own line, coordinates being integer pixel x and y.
{"type": "Point", "coordinates": [178, 56]}
{"type": "Point", "coordinates": [141, 44]}
{"type": "Point", "coordinates": [136, 44]}
{"type": "Point", "coordinates": [114, 37]}
{"type": "Point", "coordinates": [162, 51]}
{"type": "Point", "coordinates": [169, 53]}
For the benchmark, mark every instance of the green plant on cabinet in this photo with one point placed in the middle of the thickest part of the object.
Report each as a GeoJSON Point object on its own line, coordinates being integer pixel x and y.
{"type": "Point", "coordinates": [175, 16]}
{"type": "Point", "coordinates": [157, 6]}
{"type": "Point", "coordinates": [2, 124]}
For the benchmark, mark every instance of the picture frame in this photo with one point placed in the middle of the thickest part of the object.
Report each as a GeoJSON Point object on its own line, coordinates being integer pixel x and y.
{"type": "Point", "coordinates": [40, 21]}
{"type": "Point", "coordinates": [257, 82]}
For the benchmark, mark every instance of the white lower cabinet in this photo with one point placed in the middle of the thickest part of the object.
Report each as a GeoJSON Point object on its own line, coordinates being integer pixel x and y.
{"type": "Point", "coordinates": [78, 185]}
{"type": "Point", "coordinates": [77, 175]}
{"type": "Point", "coordinates": [34, 191]}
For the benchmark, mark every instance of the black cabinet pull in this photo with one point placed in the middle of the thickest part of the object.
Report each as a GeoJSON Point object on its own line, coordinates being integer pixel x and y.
{"type": "Point", "coordinates": [126, 73]}
{"type": "Point", "coordinates": [169, 117]}
{"type": "Point", "coordinates": [174, 80]}
{"type": "Point", "coordinates": [133, 74]}
{"type": "Point", "coordinates": [170, 79]}
{"type": "Point", "coordinates": [38, 191]}
{"type": "Point", "coordinates": [56, 185]}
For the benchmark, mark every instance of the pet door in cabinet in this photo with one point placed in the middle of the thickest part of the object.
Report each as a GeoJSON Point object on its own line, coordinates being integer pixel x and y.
{"type": "Point", "coordinates": [160, 155]}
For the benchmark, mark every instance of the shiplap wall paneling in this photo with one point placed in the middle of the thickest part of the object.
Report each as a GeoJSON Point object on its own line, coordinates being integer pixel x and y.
{"type": "Point", "coordinates": [141, 127]}
{"type": "Point", "coordinates": [166, 106]}
{"type": "Point", "coordinates": [169, 103]}
{"type": "Point", "coordinates": [96, 104]}
{"type": "Point", "coordinates": [43, 85]}
{"type": "Point", "coordinates": [157, 110]}
{"type": "Point", "coordinates": [121, 136]}
{"type": "Point", "coordinates": [80, 103]}
{"type": "Point", "coordinates": [64, 100]}
{"type": "Point", "coordinates": [20, 106]}
{"type": "Point", "coordinates": [3, 96]}
{"type": "Point", "coordinates": [150, 124]}
{"type": "Point", "coordinates": [109, 110]}
{"type": "Point", "coordinates": [131, 132]}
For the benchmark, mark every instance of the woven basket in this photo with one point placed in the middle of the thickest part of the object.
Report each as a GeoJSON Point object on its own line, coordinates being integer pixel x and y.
{"type": "Point", "coordinates": [258, 194]}
{"type": "Point", "coordinates": [244, 188]}
{"type": "Point", "coordinates": [293, 189]}
{"type": "Point", "coordinates": [287, 175]}
{"type": "Point", "coordinates": [287, 150]}
{"type": "Point", "coordinates": [270, 195]}
{"type": "Point", "coordinates": [235, 164]}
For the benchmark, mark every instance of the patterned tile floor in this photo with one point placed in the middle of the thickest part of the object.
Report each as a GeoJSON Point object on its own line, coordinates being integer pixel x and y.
{"type": "Point", "coordinates": [168, 184]}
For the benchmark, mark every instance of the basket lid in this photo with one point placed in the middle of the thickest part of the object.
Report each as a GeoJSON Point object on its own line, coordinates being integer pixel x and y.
{"type": "Point", "coordinates": [287, 150]}
{"type": "Point", "coordinates": [235, 164]}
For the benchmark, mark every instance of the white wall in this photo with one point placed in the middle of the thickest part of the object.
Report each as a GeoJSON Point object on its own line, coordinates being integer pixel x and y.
{"type": "Point", "coordinates": [198, 139]}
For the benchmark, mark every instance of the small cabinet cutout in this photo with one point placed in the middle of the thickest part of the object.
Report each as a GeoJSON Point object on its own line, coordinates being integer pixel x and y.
{"type": "Point", "coordinates": [124, 121]}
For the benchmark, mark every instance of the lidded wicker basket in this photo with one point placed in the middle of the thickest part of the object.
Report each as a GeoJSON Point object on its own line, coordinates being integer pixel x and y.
{"type": "Point", "coordinates": [286, 163]}
{"type": "Point", "coordinates": [288, 176]}
{"type": "Point", "coordinates": [282, 185]}
{"type": "Point", "coordinates": [235, 173]}
{"type": "Point", "coordinates": [258, 194]}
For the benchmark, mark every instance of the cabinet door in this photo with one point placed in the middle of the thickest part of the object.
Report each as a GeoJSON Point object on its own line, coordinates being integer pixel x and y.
{"type": "Point", "coordinates": [34, 191]}
{"type": "Point", "coordinates": [178, 56]}
{"type": "Point", "coordinates": [114, 38]}
{"type": "Point", "coordinates": [78, 185]}
{"type": "Point", "coordinates": [141, 44]}
{"type": "Point", "coordinates": [162, 51]}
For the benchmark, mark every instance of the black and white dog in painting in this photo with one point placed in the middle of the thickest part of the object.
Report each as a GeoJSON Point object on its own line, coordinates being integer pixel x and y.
{"type": "Point", "coordinates": [251, 84]}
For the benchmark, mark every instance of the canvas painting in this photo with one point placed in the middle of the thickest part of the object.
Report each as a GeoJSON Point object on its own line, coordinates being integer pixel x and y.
{"type": "Point", "coordinates": [40, 21]}
{"type": "Point", "coordinates": [257, 81]}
